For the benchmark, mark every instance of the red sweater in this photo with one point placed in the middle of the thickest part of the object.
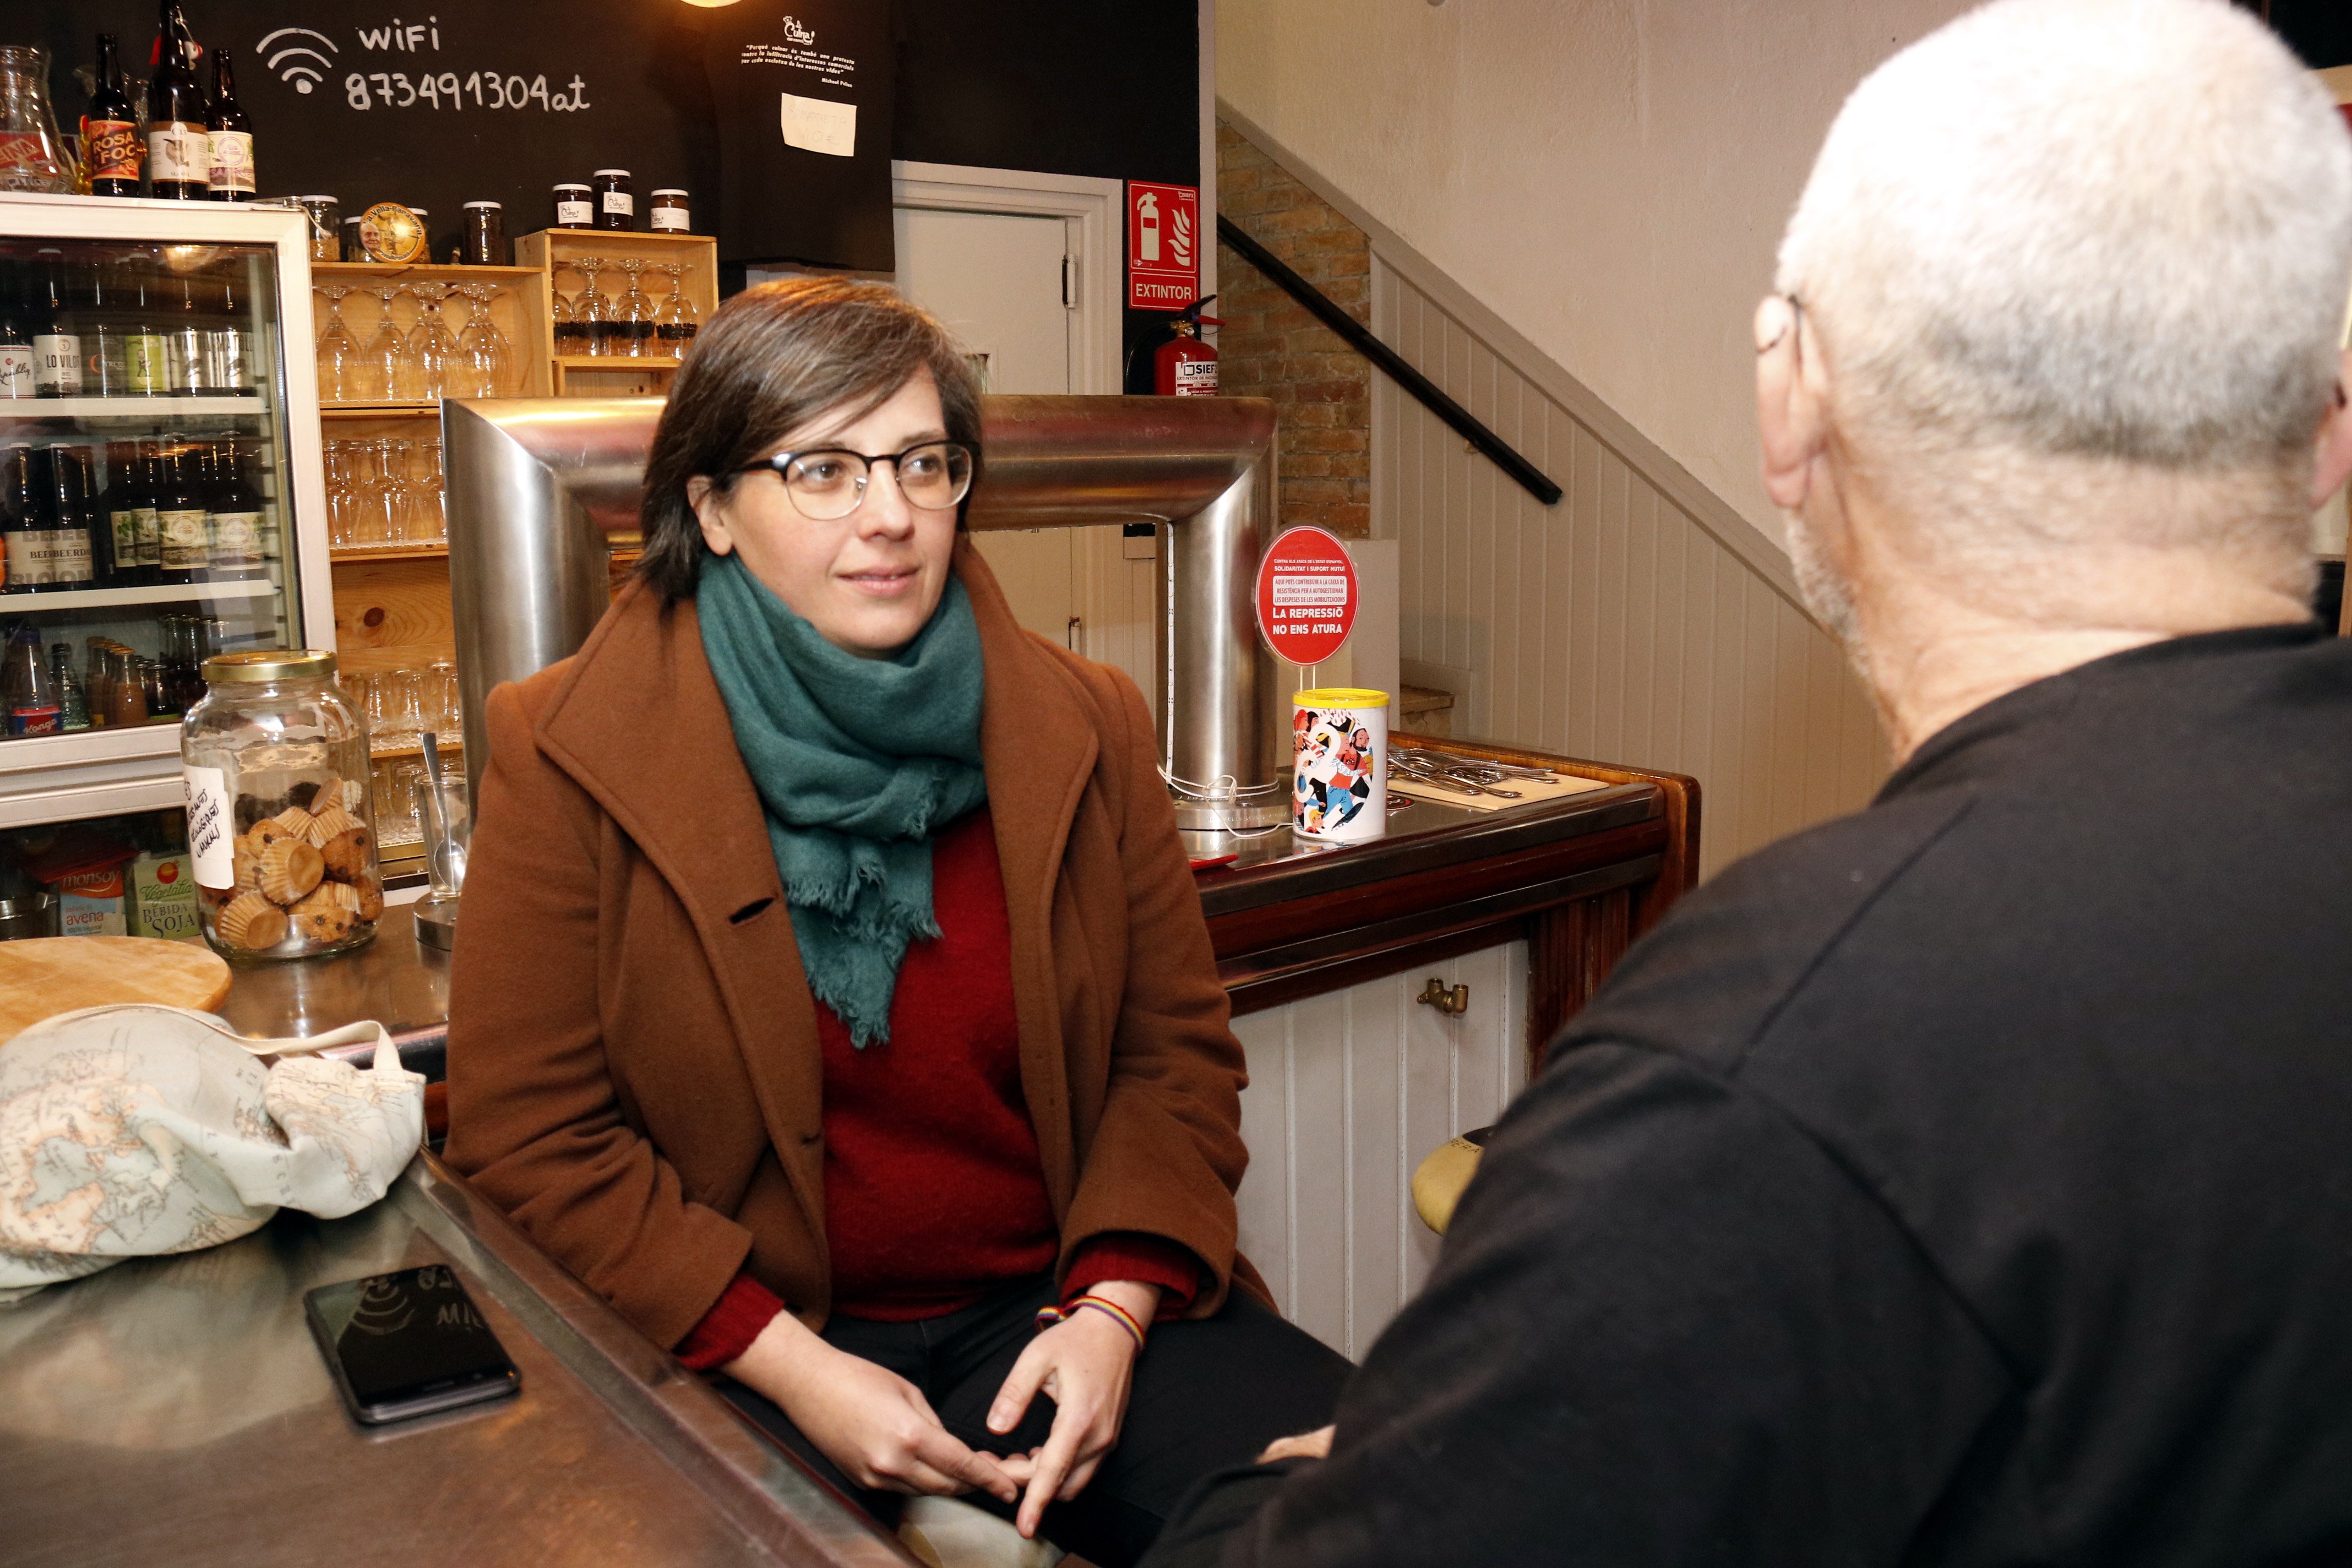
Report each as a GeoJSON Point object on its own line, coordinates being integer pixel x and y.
{"type": "Point", "coordinates": [934, 1191]}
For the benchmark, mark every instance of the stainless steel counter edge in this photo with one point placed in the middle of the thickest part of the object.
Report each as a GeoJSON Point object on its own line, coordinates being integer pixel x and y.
{"type": "Point", "coordinates": [757, 1488]}
{"type": "Point", "coordinates": [1403, 854]}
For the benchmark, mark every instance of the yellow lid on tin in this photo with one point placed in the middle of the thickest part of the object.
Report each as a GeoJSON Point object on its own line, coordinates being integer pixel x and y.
{"type": "Point", "coordinates": [1341, 697]}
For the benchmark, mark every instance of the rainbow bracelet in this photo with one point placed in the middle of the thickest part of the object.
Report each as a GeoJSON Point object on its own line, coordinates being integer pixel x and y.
{"type": "Point", "coordinates": [1048, 1316]}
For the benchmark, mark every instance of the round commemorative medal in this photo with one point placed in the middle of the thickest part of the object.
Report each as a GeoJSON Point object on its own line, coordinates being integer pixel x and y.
{"type": "Point", "coordinates": [390, 232]}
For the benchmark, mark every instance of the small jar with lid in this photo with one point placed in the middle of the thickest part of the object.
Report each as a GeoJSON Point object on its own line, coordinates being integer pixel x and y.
{"type": "Point", "coordinates": [575, 207]}
{"type": "Point", "coordinates": [486, 234]}
{"type": "Point", "coordinates": [280, 824]}
{"type": "Point", "coordinates": [669, 213]}
{"type": "Point", "coordinates": [617, 202]}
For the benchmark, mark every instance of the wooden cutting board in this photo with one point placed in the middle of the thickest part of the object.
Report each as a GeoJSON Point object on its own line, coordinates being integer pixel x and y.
{"type": "Point", "coordinates": [42, 976]}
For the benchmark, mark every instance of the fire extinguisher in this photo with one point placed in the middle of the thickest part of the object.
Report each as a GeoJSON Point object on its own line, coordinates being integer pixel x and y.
{"type": "Point", "coordinates": [1184, 366]}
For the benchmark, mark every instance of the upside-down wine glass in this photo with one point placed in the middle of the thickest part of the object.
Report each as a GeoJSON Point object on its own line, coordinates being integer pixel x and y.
{"type": "Point", "coordinates": [482, 351]}
{"type": "Point", "coordinates": [432, 351]}
{"type": "Point", "coordinates": [674, 327]}
{"type": "Point", "coordinates": [339, 352]}
{"type": "Point", "coordinates": [380, 362]}
{"type": "Point", "coordinates": [595, 312]}
{"type": "Point", "coordinates": [634, 313]}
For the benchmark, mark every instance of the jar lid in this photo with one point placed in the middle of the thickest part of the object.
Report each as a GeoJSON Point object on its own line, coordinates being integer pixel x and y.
{"type": "Point", "coordinates": [270, 664]}
{"type": "Point", "coordinates": [570, 186]}
{"type": "Point", "coordinates": [314, 198]}
{"type": "Point", "coordinates": [602, 173]}
{"type": "Point", "coordinates": [669, 191]}
{"type": "Point", "coordinates": [483, 204]}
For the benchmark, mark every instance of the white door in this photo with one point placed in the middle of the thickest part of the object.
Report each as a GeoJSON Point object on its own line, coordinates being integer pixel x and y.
{"type": "Point", "coordinates": [995, 279]}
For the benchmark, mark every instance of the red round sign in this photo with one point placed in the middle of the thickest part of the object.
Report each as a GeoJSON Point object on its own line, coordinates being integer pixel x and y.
{"type": "Point", "coordinates": [1306, 596]}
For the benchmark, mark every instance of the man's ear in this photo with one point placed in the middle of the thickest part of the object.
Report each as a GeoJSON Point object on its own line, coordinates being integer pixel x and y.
{"type": "Point", "coordinates": [1789, 403]}
{"type": "Point", "coordinates": [2334, 437]}
{"type": "Point", "coordinates": [703, 497]}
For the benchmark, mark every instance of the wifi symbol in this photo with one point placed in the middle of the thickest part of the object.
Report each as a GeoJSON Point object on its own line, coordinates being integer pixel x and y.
{"type": "Point", "coordinates": [301, 72]}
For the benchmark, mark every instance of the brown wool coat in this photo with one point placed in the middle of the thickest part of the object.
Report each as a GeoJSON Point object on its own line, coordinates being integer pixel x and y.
{"type": "Point", "coordinates": [634, 1074]}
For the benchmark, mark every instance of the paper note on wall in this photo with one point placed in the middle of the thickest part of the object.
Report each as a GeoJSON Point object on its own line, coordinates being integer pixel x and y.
{"type": "Point", "coordinates": [820, 125]}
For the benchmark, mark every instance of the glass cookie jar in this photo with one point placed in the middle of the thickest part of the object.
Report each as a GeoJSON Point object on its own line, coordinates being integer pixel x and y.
{"type": "Point", "coordinates": [280, 824]}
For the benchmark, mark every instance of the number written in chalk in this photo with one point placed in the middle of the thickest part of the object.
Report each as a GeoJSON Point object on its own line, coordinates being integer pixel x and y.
{"type": "Point", "coordinates": [488, 90]}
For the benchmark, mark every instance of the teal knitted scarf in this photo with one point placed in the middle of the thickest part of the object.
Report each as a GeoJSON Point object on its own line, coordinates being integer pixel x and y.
{"type": "Point", "coordinates": [858, 762]}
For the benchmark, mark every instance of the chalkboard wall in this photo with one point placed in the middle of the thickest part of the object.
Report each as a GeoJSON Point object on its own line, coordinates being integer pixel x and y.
{"type": "Point", "coordinates": [550, 90]}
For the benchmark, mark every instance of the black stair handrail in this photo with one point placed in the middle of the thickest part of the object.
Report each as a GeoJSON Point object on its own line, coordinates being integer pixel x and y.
{"type": "Point", "coordinates": [1427, 393]}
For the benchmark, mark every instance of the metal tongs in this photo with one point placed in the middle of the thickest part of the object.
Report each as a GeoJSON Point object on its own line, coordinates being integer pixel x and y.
{"type": "Point", "coordinates": [1467, 775]}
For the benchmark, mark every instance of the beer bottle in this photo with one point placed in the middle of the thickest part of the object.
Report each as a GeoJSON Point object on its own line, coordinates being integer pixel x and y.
{"type": "Point", "coordinates": [146, 369]}
{"type": "Point", "coordinates": [111, 139]}
{"type": "Point", "coordinates": [231, 136]}
{"type": "Point", "coordinates": [15, 346]}
{"type": "Point", "coordinates": [188, 345]}
{"type": "Point", "coordinates": [181, 515]}
{"type": "Point", "coordinates": [151, 525]}
{"type": "Point", "coordinates": [236, 521]}
{"type": "Point", "coordinates": [118, 512]}
{"type": "Point", "coordinates": [56, 345]}
{"type": "Point", "coordinates": [179, 146]}
{"type": "Point", "coordinates": [32, 501]}
{"type": "Point", "coordinates": [102, 335]}
{"type": "Point", "coordinates": [73, 521]}
{"type": "Point", "coordinates": [15, 515]}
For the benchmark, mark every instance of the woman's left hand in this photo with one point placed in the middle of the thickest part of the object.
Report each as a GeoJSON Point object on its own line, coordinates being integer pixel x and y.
{"type": "Point", "coordinates": [1087, 1363]}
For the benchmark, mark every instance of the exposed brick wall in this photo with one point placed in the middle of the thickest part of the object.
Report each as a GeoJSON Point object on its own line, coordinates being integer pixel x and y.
{"type": "Point", "coordinates": [1270, 347]}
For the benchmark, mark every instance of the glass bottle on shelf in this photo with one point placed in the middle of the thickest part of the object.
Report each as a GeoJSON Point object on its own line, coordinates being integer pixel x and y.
{"type": "Point", "coordinates": [98, 682]}
{"type": "Point", "coordinates": [237, 521]}
{"type": "Point", "coordinates": [118, 511]}
{"type": "Point", "coordinates": [73, 699]}
{"type": "Point", "coordinates": [32, 706]}
{"type": "Point", "coordinates": [72, 520]}
{"type": "Point", "coordinates": [101, 333]}
{"type": "Point", "coordinates": [146, 367]}
{"type": "Point", "coordinates": [179, 146]}
{"type": "Point", "coordinates": [228, 137]}
{"type": "Point", "coordinates": [17, 359]}
{"type": "Point", "coordinates": [229, 348]}
{"type": "Point", "coordinates": [57, 341]}
{"type": "Point", "coordinates": [181, 513]}
{"type": "Point", "coordinates": [23, 525]}
{"type": "Point", "coordinates": [110, 137]}
{"type": "Point", "coordinates": [127, 692]}
{"type": "Point", "coordinates": [187, 345]}
{"type": "Point", "coordinates": [32, 155]}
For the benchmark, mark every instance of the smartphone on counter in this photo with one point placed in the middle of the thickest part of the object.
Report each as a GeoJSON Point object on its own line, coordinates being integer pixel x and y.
{"type": "Point", "coordinates": [408, 1344]}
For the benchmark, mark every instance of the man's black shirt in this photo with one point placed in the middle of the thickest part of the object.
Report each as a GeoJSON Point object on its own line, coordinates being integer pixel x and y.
{"type": "Point", "coordinates": [1965, 1182]}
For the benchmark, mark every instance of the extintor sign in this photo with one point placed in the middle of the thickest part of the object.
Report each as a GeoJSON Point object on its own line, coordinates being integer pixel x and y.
{"type": "Point", "coordinates": [1163, 245]}
{"type": "Point", "coordinates": [1306, 596]}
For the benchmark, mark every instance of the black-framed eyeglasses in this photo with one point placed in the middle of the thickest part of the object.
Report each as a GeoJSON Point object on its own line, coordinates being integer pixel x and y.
{"type": "Point", "coordinates": [828, 483]}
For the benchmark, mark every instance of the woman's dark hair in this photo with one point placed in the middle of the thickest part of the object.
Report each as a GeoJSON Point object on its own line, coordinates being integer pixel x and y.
{"type": "Point", "coordinates": [769, 361]}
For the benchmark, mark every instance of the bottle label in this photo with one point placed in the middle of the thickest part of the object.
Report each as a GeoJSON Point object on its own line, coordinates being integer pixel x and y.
{"type": "Point", "coordinates": [29, 557]}
{"type": "Point", "coordinates": [69, 556]}
{"type": "Point", "coordinates": [56, 366]}
{"type": "Point", "coordinates": [186, 355]}
{"type": "Point", "coordinates": [227, 366]}
{"type": "Point", "coordinates": [211, 821]}
{"type": "Point", "coordinates": [620, 202]}
{"type": "Point", "coordinates": [151, 537]}
{"type": "Point", "coordinates": [124, 526]}
{"type": "Point", "coordinates": [33, 720]}
{"type": "Point", "coordinates": [181, 151]}
{"type": "Point", "coordinates": [187, 545]}
{"type": "Point", "coordinates": [236, 538]}
{"type": "Point", "coordinates": [101, 362]}
{"type": "Point", "coordinates": [573, 213]}
{"type": "Point", "coordinates": [669, 218]}
{"type": "Point", "coordinates": [231, 161]}
{"type": "Point", "coordinates": [144, 370]}
{"type": "Point", "coordinates": [16, 370]}
{"type": "Point", "coordinates": [112, 150]}
{"type": "Point", "coordinates": [1196, 378]}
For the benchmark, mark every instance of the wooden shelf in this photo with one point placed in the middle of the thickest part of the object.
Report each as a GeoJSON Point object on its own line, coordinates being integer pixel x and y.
{"type": "Point", "coordinates": [343, 555]}
{"type": "Point", "coordinates": [616, 362]}
{"type": "Point", "coordinates": [418, 271]}
{"type": "Point", "coordinates": [159, 593]}
{"type": "Point", "coordinates": [394, 753]}
{"type": "Point", "coordinates": [130, 407]}
{"type": "Point", "coordinates": [584, 241]}
{"type": "Point", "coordinates": [379, 410]}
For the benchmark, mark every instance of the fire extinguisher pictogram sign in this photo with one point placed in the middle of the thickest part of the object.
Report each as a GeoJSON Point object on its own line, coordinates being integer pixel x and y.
{"type": "Point", "coordinates": [1163, 245]}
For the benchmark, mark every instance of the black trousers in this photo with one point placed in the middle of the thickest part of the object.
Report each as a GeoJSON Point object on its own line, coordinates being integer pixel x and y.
{"type": "Point", "coordinates": [1208, 1395]}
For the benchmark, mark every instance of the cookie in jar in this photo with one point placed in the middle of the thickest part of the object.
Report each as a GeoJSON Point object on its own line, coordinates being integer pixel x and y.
{"type": "Point", "coordinates": [280, 824]}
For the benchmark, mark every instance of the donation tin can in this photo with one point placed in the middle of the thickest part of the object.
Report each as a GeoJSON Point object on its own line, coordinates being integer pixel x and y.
{"type": "Point", "coordinates": [1339, 764]}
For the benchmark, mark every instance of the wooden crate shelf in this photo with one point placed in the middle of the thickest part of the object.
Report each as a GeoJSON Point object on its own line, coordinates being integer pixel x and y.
{"type": "Point", "coordinates": [559, 251]}
{"type": "Point", "coordinates": [520, 308]}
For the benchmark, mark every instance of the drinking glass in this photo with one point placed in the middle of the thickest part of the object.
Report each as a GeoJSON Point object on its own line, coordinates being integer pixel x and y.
{"type": "Point", "coordinates": [595, 312]}
{"type": "Point", "coordinates": [439, 700]}
{"type": "Point", "coordinates": [482, 349]}
{"type": "Point", "coordinates": [355, 690]}
{"type": "Point", "coordinates": [396, 801]}
{"type": "Point", "coordinates": [633, 314]}
{"type": "Point", "coordinates": [342, 496]}
{"type": "Point", "coordinates": [431, 352]}
{"type": "Point", "coordinates": [401, 719]}
{"type": "Point", "coordinates": [447, 833]}
{"type": "Point", "coordinates": [674, 327]}
{"type": "Point", "coordinates": [339, 352]}
{"type": "Point", "coordinates": [569, 322]}
{"type": "Point", "coordinates": [379, 370]}
{"type": "Point", "coordinates": [420, 498]}
{"type": "Point", "coordinates": [432, 492]}
{"type": "Point", "coordinates": [384, 503]}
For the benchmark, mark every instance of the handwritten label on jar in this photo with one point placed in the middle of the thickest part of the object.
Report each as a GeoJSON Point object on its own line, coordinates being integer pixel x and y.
{"type": "Point", "coordinates": [572, 214]}
{"type": "Point", "coordinates": [208, 826]}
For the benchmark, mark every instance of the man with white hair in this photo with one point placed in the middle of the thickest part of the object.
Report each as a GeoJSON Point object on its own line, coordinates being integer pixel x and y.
{"type": "Point", "coordinates": [1967, 1181]}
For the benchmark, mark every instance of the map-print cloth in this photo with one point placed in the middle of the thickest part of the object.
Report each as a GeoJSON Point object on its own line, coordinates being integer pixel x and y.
{"type": "Point", "coordinates": [127, 1132]}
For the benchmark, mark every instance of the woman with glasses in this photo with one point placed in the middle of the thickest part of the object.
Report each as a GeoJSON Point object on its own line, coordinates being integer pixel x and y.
{"type": "Point", "coordinates": [834, 997]}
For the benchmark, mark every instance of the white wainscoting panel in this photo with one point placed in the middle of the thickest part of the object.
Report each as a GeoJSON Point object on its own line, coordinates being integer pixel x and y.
{"type": "Point", "coordinates": [1347, 1093]}
{"type": "Point", "coordinates": [1614, 626]}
